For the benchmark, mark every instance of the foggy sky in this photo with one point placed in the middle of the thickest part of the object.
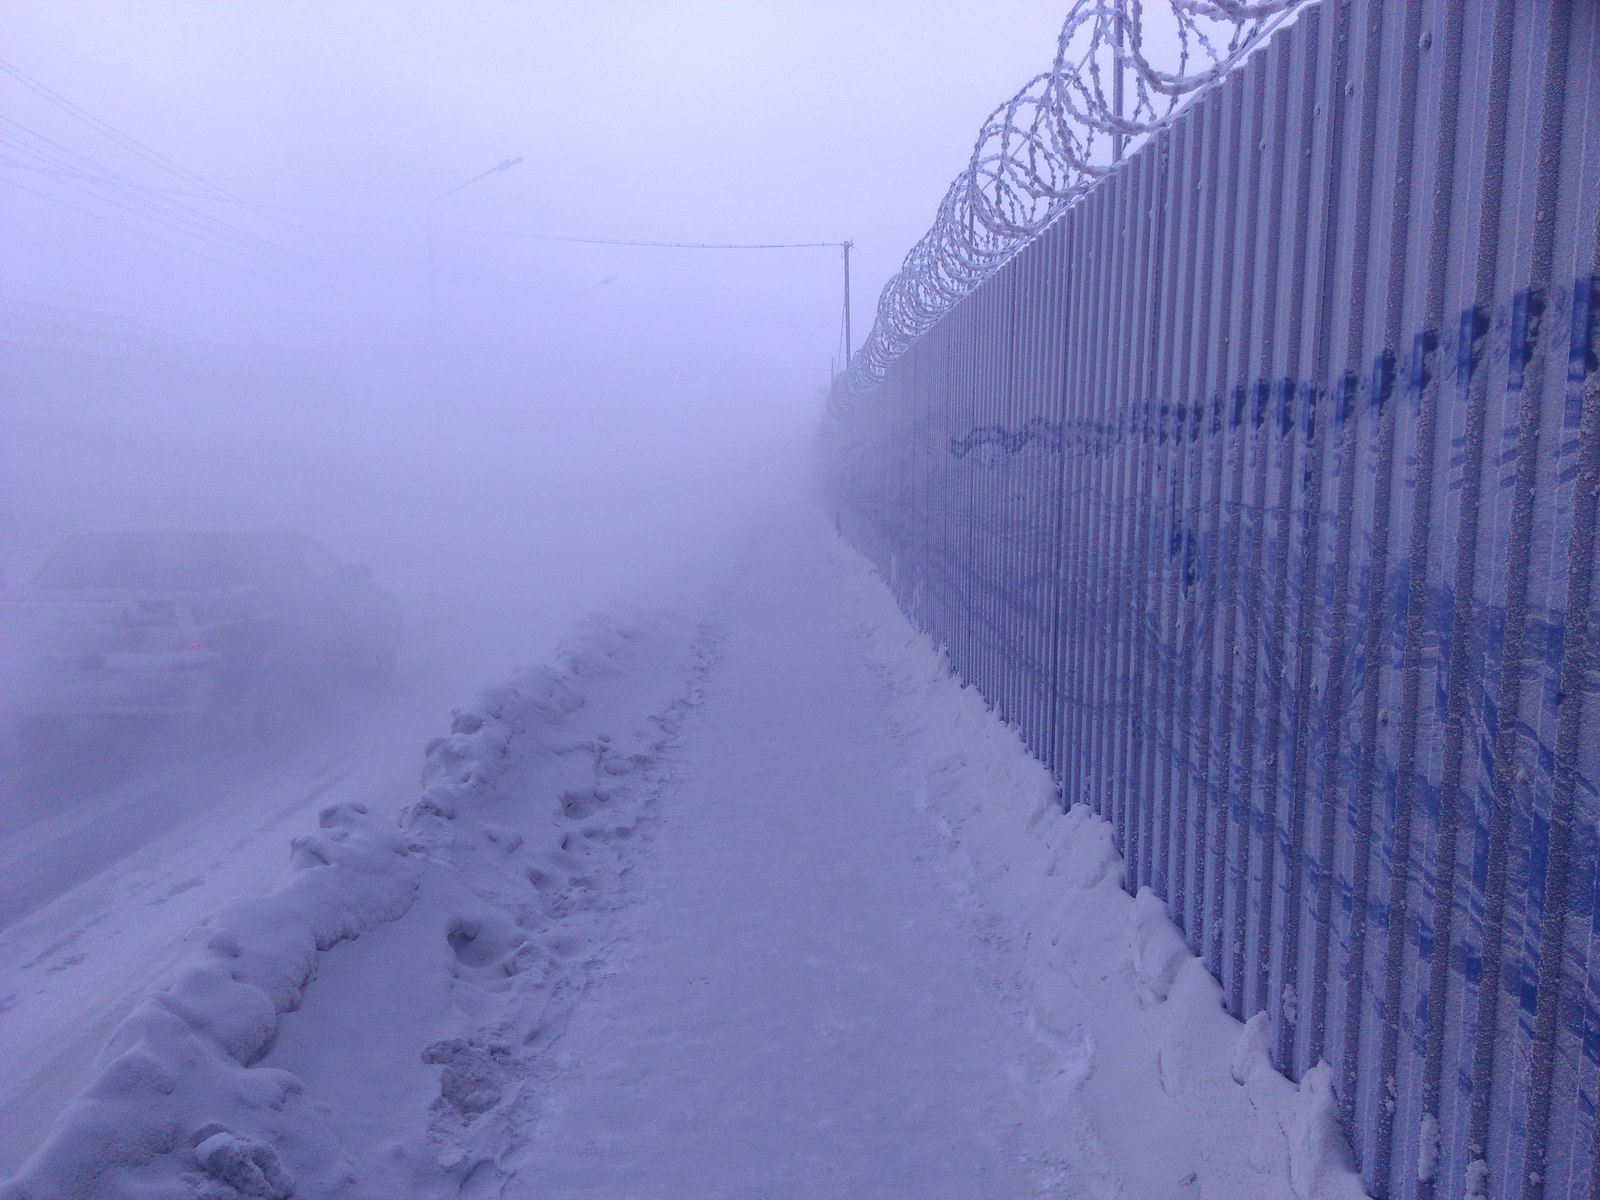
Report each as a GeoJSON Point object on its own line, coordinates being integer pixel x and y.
{"type": "Point", "coordinates": [580, 405]}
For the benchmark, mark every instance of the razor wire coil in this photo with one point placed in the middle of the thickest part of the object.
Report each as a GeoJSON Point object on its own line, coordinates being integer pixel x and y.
{"type": "Point", "coordinates": [1052, 141]}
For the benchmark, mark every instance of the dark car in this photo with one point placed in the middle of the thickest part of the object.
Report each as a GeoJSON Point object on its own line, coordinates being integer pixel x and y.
{"type": "Point", "coordinates": [240, 627]}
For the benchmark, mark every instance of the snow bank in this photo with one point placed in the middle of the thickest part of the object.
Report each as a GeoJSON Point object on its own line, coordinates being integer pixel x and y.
{"type": "Point", "coordinates": [177, 1098]}
{"type": "Point", "coordinates": [186, 1101]}
{"type": "Point", "coordinates": [1178, 1097]}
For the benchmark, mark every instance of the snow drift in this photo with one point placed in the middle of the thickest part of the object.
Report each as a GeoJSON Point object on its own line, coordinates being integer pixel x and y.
{"type": "Point", "coordinates": [187, 1099]}
{"type": "Point", "coordinates": [1172, 1090]}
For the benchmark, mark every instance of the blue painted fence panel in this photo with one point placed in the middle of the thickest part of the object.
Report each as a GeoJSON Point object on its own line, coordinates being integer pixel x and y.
{"type": "Point", "coordinates": [1259, 493]}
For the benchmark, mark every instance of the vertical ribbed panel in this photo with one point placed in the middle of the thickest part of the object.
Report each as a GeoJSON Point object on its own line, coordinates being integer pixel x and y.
{"type": "Point", "coordinates": [1259, 493]}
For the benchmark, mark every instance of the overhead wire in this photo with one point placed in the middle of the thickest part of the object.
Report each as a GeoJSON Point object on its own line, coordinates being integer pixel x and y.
{"type": "Point", "coordinates": [64, 160]}
{"type": "Point", "coordinates": [518, 234]}
{"type": "Point", "coordinates": [26, 288]}
{"type": "Point", "coordinates": [144, 233]}
{"type": "Point", "coordinates": [176, 222]}
{"type": "Point", "coordinates": [595, 241]}
{"type": "Point", "coordinates": [105, 127]}
{"type": "Point", "coordinates": [170, 208]}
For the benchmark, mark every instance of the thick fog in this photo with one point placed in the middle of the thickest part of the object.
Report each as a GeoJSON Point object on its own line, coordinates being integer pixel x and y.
{"type": "Point", "coordinates": [263, 284]}
{"type": "Point", "coordinates": [215, 229]}
{"type": "Point", "coordinates": [281, 275]}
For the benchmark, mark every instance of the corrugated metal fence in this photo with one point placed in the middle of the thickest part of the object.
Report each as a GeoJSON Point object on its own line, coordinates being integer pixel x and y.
{"type": "Point", "coordinates": [1260, 493]}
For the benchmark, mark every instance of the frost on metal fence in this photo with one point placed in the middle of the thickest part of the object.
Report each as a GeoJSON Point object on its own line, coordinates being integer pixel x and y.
{"type": "Point", "coordinates": [1259, 491]}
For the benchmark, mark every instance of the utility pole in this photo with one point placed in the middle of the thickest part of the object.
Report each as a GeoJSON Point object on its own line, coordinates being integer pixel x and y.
{"type": "Point", "coordinates": [849, 343]}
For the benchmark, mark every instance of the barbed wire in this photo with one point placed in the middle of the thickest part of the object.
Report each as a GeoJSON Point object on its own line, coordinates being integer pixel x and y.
{"type": "Point", "coordinates": [1051, 142]}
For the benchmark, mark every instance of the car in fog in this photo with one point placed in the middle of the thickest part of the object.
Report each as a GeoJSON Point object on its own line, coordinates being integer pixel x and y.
{"type": "Point", "coordinates": [241, 628]}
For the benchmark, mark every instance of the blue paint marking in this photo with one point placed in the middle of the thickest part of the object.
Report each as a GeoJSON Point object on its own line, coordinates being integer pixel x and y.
{"type": "Point", "coordinates": [982, 561]}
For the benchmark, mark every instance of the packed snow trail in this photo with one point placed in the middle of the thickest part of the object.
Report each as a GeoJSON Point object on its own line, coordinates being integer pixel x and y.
{"type": "Point", "coordinates": [795, 1006]}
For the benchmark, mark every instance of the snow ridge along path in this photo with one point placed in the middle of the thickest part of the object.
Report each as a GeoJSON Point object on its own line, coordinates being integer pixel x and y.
{"type": "Point", "coordinates": [340, 1036]}
{"type": "Point", "coordinates": [749, 899]}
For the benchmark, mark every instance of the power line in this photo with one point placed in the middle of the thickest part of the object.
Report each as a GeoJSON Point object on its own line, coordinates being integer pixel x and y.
{"type": "Point", "coordinates": [142, 301]}
{"type": "Point", "coordinates": [217, 196]}
{"type": "Point", "coordinates": [175, 221]}
{"type": "Point", "coordinates": [520, 235]}
{"type": "Point", "coordinates": [211, 191]}
{"type": "Point", "coordinates": [301, 210]}
{"type": "Point", "coordinates": [144, 233]}
{"type": "Point", "coordinates": [159, 205]}
{"type": "Point", "coordinates": [589, 241]}
{"type": "Point", "coordinates": [127, 141]}
{"type": "Point", "coordinates": [47, 150]}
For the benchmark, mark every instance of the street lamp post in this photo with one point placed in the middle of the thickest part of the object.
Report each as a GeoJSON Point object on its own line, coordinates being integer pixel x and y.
{"type": "Point", "coordinates": [433, 289]}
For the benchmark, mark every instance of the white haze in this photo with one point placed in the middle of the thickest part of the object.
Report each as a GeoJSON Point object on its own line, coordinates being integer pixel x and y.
{"type": "Point", "coordinates": [577, 424]}
{"type": "Point", "coordinates": [576, 418]}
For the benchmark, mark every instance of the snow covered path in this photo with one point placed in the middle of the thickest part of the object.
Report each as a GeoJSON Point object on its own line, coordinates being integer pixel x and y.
{"type": "Point", "coordinates": [796, 1006]}
{"type": "Point", "coordinates": [747, 899]}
